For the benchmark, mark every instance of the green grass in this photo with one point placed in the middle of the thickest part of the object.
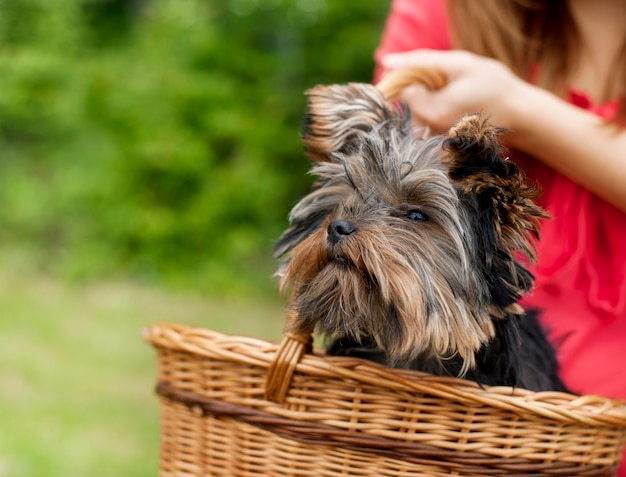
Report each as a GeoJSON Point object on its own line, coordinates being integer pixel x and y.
{"type": "Point", "coordinates": [76, 390]}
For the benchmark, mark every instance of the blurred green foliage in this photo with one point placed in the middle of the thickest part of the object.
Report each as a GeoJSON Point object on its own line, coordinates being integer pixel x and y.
{"type": "Point", "coordinates": [159, 139]}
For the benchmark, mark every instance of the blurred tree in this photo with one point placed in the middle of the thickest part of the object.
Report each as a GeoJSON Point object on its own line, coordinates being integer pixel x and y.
{"type": "Point", "coordinates": [159, 139]}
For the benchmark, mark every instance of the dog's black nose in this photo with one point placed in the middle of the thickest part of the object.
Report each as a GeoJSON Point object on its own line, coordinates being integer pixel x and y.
{"type": "Point", "coordinates": [339, 229]}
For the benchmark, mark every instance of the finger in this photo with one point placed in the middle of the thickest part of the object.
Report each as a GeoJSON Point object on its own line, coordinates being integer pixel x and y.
{"type": "Point", "coordinates": [427, 108]}
{"type": "Point", "coordinates": [411, 96]}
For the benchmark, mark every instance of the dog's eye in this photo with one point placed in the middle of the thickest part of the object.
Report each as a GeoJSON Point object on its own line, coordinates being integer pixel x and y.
{"type": "Point", "coordinates": [416, 215]}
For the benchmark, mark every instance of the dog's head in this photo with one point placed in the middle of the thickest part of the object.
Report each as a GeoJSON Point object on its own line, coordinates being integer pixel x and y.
{"type": "Point", "coordinates": [407, 242]}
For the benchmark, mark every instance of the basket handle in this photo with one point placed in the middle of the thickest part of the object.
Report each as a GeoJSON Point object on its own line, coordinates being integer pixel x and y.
{"type": "Point", "coordinates": [287, 357]}
{"type": "Point", "coordinates": [395, 81]}
{"type": "Point", "coordinates": [295, 344]}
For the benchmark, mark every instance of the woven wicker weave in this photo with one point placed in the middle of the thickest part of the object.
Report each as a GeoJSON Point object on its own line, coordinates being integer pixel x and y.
{"type": "Point", "coordinates": [333, 416]}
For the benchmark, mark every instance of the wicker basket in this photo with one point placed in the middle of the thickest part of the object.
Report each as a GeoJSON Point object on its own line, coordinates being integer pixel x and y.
{"type": "Point", "coordinates": [240, 407]}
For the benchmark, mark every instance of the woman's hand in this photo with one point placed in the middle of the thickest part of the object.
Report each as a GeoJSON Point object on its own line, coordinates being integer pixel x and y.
{"type": "Point", "coordinates": [474, 84]}
{"type": "Point", "coordinates": [573, 141]}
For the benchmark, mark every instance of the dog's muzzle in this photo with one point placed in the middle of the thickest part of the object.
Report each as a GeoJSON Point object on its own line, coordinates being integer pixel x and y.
{"type": "Point", "coordinates": [340, 229]}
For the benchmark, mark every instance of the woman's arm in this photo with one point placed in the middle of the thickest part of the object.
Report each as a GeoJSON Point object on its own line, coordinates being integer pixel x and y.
{"type": "Point", "coordinates": [575, 142]}
{"type": "Point", "coordinates": [578, 144]}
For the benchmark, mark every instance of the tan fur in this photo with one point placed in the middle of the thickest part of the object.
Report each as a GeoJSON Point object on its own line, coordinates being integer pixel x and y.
{"type": "Point", "coordinates": [518, 214]}
{"type": "Point", "coordinates": [353, 106]}
{"type": "Point", "coordinates": [415, 287]}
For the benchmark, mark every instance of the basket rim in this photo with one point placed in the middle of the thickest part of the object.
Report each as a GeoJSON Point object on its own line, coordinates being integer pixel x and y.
{"type": "Point", "coordinates": [592, 410]}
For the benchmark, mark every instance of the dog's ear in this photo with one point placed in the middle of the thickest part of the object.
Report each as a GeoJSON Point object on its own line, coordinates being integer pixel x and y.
{"type": "Point", "coordinates": [509, 219]}
{"type": "Point", "coordinates": [338, 115]}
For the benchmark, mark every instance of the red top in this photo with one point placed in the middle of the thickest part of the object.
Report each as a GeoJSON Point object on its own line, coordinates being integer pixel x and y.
{"type": "Point", "coordinates": [581, 271]}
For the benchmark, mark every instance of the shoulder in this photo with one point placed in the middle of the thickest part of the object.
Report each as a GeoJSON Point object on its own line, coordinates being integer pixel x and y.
{"type": "Point", "coordinates": [414, 24]}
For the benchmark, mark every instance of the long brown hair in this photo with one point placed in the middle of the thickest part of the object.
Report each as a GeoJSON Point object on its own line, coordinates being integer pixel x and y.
{"type": "Point", "coordinates": [526, 33]}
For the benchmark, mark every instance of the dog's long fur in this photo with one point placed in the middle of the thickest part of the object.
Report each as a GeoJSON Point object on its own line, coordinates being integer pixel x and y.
{"type": "Point", "coordinates": [405, 252]}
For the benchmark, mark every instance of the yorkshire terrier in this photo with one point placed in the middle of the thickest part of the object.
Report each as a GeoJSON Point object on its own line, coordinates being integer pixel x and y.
{"type": "Point", "coordinates": [407, 250]}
